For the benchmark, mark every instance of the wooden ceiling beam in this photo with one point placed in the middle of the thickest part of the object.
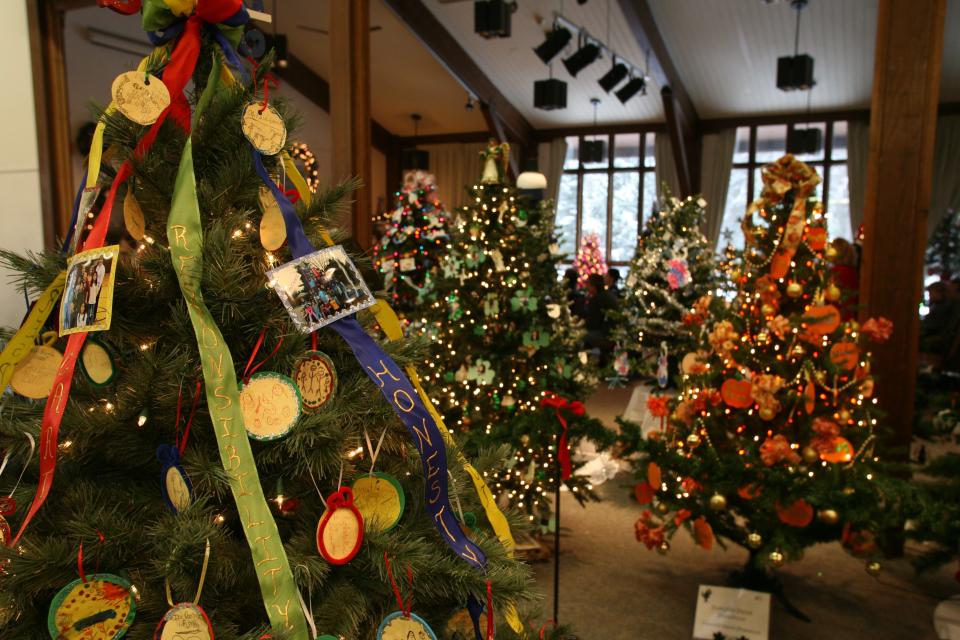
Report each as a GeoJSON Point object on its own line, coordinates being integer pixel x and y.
{"type": "Point", "coordinates": [683, 123]}
{"type": "Point", "coordinates": [445, 48]}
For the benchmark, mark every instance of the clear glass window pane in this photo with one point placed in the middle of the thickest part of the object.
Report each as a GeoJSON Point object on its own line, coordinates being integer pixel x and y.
{"type": "Point", "coordinates": [649, 160]}
{"type": "Point", "coordinates": [572, 161]}
{"type": "Point", "coordinates": [626, 151]}
{"type": "Point", "coordinates": [818, 155]}
{"type": "Point", "coordinates": [757, 183]}
{"type": "Point", "coordinates": [839, 151]}
{"type": "Point", "coordinates": [594, 209]}
{"type": "Point", "coordinates": [771, 142]}
{"type": "Point", "coordinates": [741, 148]}
{"type": "Point", "coordinates": [566, 220]}
{"type": "Point", "coordinates": [604, 157]}
{"type": "Point", "coordinates": [838, 213]}
{"type": "Point", "coordinates": [626, 194]}
{"type": "Point", "coordinates": [733, 210]}
{"type": "Point", "coordinates": [649, 193]}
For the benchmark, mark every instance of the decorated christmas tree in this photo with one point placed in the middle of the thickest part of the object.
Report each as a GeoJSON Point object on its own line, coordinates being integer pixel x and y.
{"type": "Point", "coordinates": [943, 250]}
{"type": "Point", "coordinates": [505, 350]}
{"type": "Point", "coordinates": [673, 267]}
{"type": "Point", "coordinates": [589, 259]}
{"type": "Point", "coordinates": [772, 441]}
{"type": "Point", "coordinates": [413, 242]}
{"type": "Point", "coordinates": [213, 448]}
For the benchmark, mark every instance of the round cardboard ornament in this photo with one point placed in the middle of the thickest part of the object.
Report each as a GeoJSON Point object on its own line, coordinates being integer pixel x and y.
{"type": "Point", "coordinates": [398, 626]}
{"type": "Point", "coordinates": [264, 128]}
{"type": "Point", "coordinates": [139, 96]}
{"type": "Point", "coordinates": [316, 379]}
{"type": "Point", "coordinates": [174, 482]}
{"type": "Point", "coordinates": [96, 363]}
{"type": "Point", "coordinates": [340, 530]}
{"type": "Point", "coordinates": [380, 500]}
{"type": "Point", "coordinates": [737, 393]}
{"type": "Point", "coordinates": [101, 607]}
{"type": "Point", "coordinates": [33, 376]}
{"type": "Point", "coordinates": [271, 405]}
{"type": "Point", "coordinates": [846, 355]}
{"type": "Point", "coordinates": [133, 217]}
{"type": "Point", "coordinates": [185, 621]}
{"type": "Point", "coordinates": [822, 320]}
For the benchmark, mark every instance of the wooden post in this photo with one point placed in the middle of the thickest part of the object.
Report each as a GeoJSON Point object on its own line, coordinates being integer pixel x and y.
{"type": "Point", "coordinates": [350, 105]}
{"type": "Point", "coordinates": [903, 119]}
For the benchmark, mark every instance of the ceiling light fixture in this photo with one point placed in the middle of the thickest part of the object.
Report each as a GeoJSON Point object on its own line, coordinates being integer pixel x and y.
{"type": "Point", "coordinates": [613, 77]}
{"type": "Point", "coordinates": [550, 94]}
{"type": "Point", "coordinates": [491, 18]}
{"type": "Point", "coordinates": [556, 40]}
{"type": "Point", "coordinates": [584, 57]}
{"type": "Point", "coordinates": [634, 86]}
{"type": "Point", "coordinates": [795, 72]}
{"type": "Point", "coordinates": [414, 158]}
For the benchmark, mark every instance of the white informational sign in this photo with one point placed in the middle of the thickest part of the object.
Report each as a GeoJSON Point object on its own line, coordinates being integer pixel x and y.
{"type": "Point", "coordinates": [736, 613]}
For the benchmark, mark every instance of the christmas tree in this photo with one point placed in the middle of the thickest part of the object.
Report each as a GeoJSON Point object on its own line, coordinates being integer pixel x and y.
{"type": "Point", "coordinates": [943, 250]}
{"type": "Point", "coordinates": [413, 242]}
{"type": "Point", "coordinates": [772, 440]}
{"type": "Point", "coordinates": [589, 259]}
{"type": "Point", "coordinates": [145, 489]}
{"type": "Point", "coordinates": [504, 347]}
{"type": "Point", "coordinates": [672, 268]}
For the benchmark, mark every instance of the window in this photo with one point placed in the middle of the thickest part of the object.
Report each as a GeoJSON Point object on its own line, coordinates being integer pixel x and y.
{"type": "Point", "coordinates": [607, 197]}
{"type": "Point", "coordinates": [758, 145]}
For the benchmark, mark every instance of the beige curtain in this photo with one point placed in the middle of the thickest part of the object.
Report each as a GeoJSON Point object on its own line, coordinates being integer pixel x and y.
{"type": "Point", "coordinates": [946, 172]}
{"type": "Point", "coordinates": [715, 165]}
{"type": "Point", "coordinates": [666, 168]}
{"type": "Point", "coordinates": [456, 166]}
{"type": "Point", "coordinates": [550, 158]}
{"type": "Point", "coordinates": [858, 149]}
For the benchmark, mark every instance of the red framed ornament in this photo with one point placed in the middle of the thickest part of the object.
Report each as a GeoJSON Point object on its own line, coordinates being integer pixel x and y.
{"type": "Point", "coordinates": [340, 530]}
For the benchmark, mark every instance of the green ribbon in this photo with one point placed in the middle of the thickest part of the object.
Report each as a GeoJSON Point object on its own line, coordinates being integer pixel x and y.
{"type": "Point", "coordinates": [185, 236]}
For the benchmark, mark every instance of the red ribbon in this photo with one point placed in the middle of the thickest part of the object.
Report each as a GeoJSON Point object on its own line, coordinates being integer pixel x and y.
{"type": "Point", "coordinates": [489, 610]}
{"type": "Point", "coordinates": [83, 574]}
{"type": "Point", "coordinates": [404, 609]}
{"type": "Point", "coordinates": [563, 452]}
{"type": "Point", "coordinates": [543, 629]}
{"type": "Point", "coordinates": [182, 444]}
{"type": "Point", "coordinates": [256, 347]}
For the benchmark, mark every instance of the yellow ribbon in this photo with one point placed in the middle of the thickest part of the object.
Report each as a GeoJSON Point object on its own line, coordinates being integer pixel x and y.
{"type": "Point", "coordinates": [21, 343]}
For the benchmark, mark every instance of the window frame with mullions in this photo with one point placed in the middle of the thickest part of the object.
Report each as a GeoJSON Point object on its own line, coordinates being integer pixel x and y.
{"type": "Point", "coordinates": [610, 170]}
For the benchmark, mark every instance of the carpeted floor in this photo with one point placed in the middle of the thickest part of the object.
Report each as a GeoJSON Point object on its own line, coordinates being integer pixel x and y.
{"type": "Point", "coordinates": [612, 588]}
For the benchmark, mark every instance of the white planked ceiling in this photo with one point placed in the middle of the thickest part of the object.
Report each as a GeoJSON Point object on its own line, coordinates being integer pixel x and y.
{"type": "Point", "coordinates": [513, 66]}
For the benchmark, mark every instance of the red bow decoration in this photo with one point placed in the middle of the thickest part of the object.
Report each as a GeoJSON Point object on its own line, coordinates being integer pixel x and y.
{"type": "Point", "coordinates": [576, 408]}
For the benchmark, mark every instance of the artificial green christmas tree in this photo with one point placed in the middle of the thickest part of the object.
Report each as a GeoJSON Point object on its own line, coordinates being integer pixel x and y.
{"type": "Point", "coordinates": [772, 441]}
{"type": "Point", "coordinates": [413, 243]}
{"type": "Point", "coordinates": [157, 487]}
{"type": "Point", "coordinates": [503, 340]}
{"type": "Point", "coordinates": [672, 268]}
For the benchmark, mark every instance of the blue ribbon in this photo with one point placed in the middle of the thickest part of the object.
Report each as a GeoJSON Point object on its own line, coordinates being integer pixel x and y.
{"type": "Point", "coordinates": [174, 30]}
{"type": "Point", "coordinates": [397, 390]}
{"type": "Point", "coordinates": [475, 609]}
{"type": "Point", "coordinates": [73, 218]}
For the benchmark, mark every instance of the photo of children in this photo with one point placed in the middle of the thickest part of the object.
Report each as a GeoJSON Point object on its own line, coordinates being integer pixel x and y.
{"type": "Point", "coordinates": [320, 288]}
{"type": "Point", "coordinates": [87, 303]}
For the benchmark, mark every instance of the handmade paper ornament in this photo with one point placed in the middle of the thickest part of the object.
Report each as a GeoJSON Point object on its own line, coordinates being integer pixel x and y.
{"type": "Point", "coordinates": [736, 393]}
{"type": "Point", "coordinates": [141, 97]}
{"type": "Point", "coordinates": [845, 355]}
{"type": "Point", "coordinates": [271, 405]}
{"type": "Point", "coordinates": [840, 450]}
{"type": "Point", "coordinates": [273, 231]}
{"type": "Point", "coordinates": [264, 128]}
{"type": "Point", "coordinates": [87, 302]}
{"type": "Point", "coordinates": [184, 621]}
{"type": "Point", "coordinates": [678, 273]}
{"type": "Point", "coordinates": [380, 500]}
{"type": "Point", "coordinates": [553, 310]}
{"type": "Point", "coordinates": [822, 320]}
{"type": "Point", "coordinates": [799, 514]}
{"type": "Point", "coordinates": [174, 482]}
{"type": "Point", "coordinates": [99, 607]}
{"type": "Point", "coordinates": [408, 264]}
{"type": "Point", "coordinates": [662, 370]}
{"type": "Point", "coordinates": [491, 306]}
{"type": "Point", "coordinates": [340, 530]}
{"type": "Point", "coordinates": [398, 626]}
{"type": "Point", "coordinates": [96, 363]}
{"type": "Point", "coordinates": [33, 376]}
{"type": "Point", "coordinates": [133, 216]}
{"type": "Point", "coordinates": [497, 258]}
{"type": "Point", "coordinates": [316, 379]}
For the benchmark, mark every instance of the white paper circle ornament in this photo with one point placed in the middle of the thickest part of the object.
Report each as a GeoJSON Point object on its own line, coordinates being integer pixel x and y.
{"type": "Point", "coordinates": [380, 500]}
{"type": "Point", "coordinates": [141, 97]}
{"type": "Point", "coordinates": [270, 404]}
{"type": "Point", "coordinates": [316, 379]}
{"type": "Point", "coordinates": [264, 128]}
{"type": "Point", "coordinates": [100, 608]}
{"type": "Point", "coordinates": [96, 363]}
{"type": "Point", "coordinates": [33, 376]}
{"type": "Point", "coordinates": [398, 626]}
{"type": "Point", "coordinates": [185, 621]}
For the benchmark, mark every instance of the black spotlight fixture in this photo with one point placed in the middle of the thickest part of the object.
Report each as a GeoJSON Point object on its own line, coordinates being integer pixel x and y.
{"type": "Point", "coordinates": [804, 141]}
{"type": "Point", "coordinates": [795, 73]}
{"type": "Point", "coordinates": [413, 158]}
{"type": "Point", "coordinates": [550, 94]}
{"type": "Point", "coordinates": [613, 77]}
{"type": "Point", "coordinates": [632, 88]}
{"type": "Point", "coordinates": [491, 18]}
{"type": "Point", "coordinates": [584, 57]}
{"type": "Point", "coordinates": [556, 40]}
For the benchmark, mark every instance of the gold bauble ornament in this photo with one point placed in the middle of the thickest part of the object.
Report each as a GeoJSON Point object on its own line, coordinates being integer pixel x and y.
{"type": "Point", "coordinates": [873, 567]}
{"type": "Point", "coordinates": [848, 491]}
{"type": "Point", "coordinates": [830, 253]}
{"type": "Point", "coordinates": [718, 502]}
{"type": "Point", "coordinates": [828, 516]}
{"type": "Point", "coordinates": [763, 338]}
{"type": "Point", "coordinates": [693, 440]}
{"type": "Point", "coordinates": [662, 508]}
{"type": "Point", "coordinates": [832, 293]}
{"type": "Point", "coordinates": [794, 290]}
{"type": "Point", "coordinates": [810, 455]}
{"type": "Point", "coordinates": [799, 351]}
{"type": "Point", "coordinates": [776, 558]}
{"type": "Point", "coordinates": [663, 547]}
{"type": "Point", "coordinates": [844, 415]}
{"type": "Point", "coordinates": [767, 309]}
{"type": "Point", "coordinates": [754, 540]}
{"type": "Point", "coordinates": [766, 413]}
{"type": "Point", "coordinates": [524, 439]}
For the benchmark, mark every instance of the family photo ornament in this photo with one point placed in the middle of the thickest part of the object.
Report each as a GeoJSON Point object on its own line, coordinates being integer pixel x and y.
{"type": "Point", "coordinates": [87, 303]}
